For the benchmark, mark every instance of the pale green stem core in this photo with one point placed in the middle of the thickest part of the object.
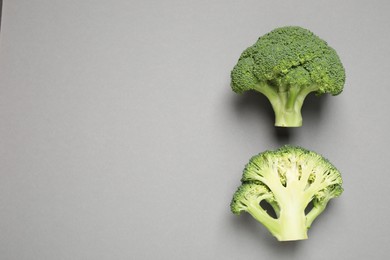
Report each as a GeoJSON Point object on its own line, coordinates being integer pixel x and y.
{"type": "Point", "coordinates": [292, 221]}
{"type": "Point", "coordinates": [291, 224]}
{"type": "Point", "coordinates": [286, 103]}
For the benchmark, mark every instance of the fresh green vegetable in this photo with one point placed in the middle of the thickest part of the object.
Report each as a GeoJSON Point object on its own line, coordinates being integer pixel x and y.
{"type": "Point", "coordinates": [286, 65]}
{"type": "Point", "coordinates": [288, 179]}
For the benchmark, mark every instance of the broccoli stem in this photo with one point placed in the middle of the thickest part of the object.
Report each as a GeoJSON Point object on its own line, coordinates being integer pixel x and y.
{"type": "Point", "coordinates": [287, 117]}
{"type": "Point", "coordinates": [288, 108]}
{"type": "Point", "coordinates": [292, 219]}
{"type": "Point", "coordinates": [292, 223]}
{"type": "Point", "coordinates": [286, 102]}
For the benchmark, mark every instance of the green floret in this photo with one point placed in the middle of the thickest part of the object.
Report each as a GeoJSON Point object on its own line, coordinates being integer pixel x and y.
{"type": "Point", "coordinates": [288, 179]}
{"type": "Point", "coordinates": [286, 65]}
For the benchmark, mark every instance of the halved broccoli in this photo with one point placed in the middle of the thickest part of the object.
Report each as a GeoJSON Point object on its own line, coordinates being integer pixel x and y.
{"type": "Point", "coordinates": [289, 179]}
{"type": "Point", "coordinates": [286, 65]}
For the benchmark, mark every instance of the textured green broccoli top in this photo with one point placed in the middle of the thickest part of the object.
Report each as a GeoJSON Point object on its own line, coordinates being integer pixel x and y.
{"type": "Point", "coordinates": [286, 65]}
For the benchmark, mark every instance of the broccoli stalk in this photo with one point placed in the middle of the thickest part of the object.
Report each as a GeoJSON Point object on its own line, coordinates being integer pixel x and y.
{"type": "Point", "coordinates": [286, 103]}
{"type": "Point", "coordinates": [291, 223]}
{"type": "Point", "coordinates": [288, 179]}
{"type": "Point", "coordinates": [286, 65]}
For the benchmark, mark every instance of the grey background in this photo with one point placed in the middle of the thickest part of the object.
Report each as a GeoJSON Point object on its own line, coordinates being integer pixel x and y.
{"type": "Point", "coordinates": [121, 138]}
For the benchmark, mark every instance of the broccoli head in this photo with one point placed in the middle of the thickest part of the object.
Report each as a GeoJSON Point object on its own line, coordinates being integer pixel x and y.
{"type": "Point", "coordinates": [289, 179]}
{"type": "Point", "coordinates": [286, 65]}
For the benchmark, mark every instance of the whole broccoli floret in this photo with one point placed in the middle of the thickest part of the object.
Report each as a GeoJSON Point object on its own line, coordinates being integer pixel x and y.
{"type": "Point", "coordinates": [288, 179]}
{"type": "Point", "coordinates": [286, 65]}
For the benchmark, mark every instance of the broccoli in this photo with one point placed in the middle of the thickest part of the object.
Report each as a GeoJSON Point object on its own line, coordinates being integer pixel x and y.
{"type": "Point", "coordinates": [290, 179]}
{"type": "Point", "coordinates": [286, 65]}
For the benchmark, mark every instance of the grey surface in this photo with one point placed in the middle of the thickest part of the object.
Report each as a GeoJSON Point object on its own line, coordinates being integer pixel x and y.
{"type": "Point", "coordinates": [121, 139]}
{"type": "Point", "coordinates": [1, 6]}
